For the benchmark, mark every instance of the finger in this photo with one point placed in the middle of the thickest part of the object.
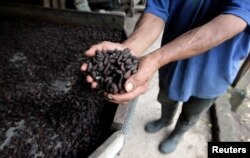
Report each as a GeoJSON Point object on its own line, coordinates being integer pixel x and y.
{"type": "Point", "coordinates": [124, 103]}
{"type": "Point", "coordinates": [107, 97]}
{"type": "Point", "coordinates": [101, 46]}
{"type": "Point", "coordinates": [134, 81]}
{"type": "Point", "coordinates": [137, 80]}
{"type": "Point", "coordinates": [117, 102]}
{"type": "Point", "coordinates": [110, 45]}
{"type": "Point", "coordinates": [127, 96]}
{"type": "Point", "coordinates": [94, 85]}
{"type": "Point", "coordinates": [84, 67]}
{"type": "Point", "coordinates": [89, 79]}
{"type": "Point", "coordinates": [130, 85]}
{"type": "Point", "coordinates": [91, 51]}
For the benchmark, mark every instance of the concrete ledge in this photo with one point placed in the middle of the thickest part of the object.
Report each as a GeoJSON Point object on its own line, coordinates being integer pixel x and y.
{"type": "Point", "coordinates": [110, 147]}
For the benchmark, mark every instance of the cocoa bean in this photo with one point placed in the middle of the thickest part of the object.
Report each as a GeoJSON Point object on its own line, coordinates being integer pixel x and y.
{"type": "Point", "coordinates": [127, 74]}
{"type": "Point", "coordinates": [128, 62]}
{"type": "Point", "coordinates": [128, 66]}
{"type": "Point", "coordinates": [126, 50]}
{"type": "Point", "coordinates": [93, 74]}
{"type": "Point", "coordinates": [119, 72]}
{"type": "Point", "coordinates": [120, 58]}
{"type": "Point", "coordinates": [95, 67]}
{"type": "Point", "coordinates": [106, 68]}
{"type": "Point", "coordinates": [105, 60]}
{"type": "Point", "coordinates": [134, 71]}
{"type": "Point", "coordinates": [100, 68]}
{"type": "Point", "coordinates": [134, 67]}
{"type": "Point", "coordinates": [99, 59]}
{"type": "Point", "coordinates": [135, 61]}
{"type": "Point", "coordinates": [99, 54]}
{"type": "Point", "coordinates": [89, 67]}
{"type": "Point", "coordinates": [114, 87]}
{"type": "Point", "coordinates": [122, 67]}
{"type": "Point", "coordinates": [100, 64]}
{"type": "Point", "coordinates": [126, 55]}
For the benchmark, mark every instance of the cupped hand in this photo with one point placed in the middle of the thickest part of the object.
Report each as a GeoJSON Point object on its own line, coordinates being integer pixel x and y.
{"type": "Point", "coordinates": [138, 83]}
{"type": "Point", "coordinates": [91, 52]}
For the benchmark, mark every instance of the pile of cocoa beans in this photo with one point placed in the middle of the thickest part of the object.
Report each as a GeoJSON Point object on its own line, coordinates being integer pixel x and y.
{"type": "Point", "coordinates": [111, 68]}
{"type": "Point", "coordinates": [47, 110]}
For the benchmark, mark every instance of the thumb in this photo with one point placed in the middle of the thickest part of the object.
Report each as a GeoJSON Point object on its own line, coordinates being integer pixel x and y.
{"type": "Point", "coordinates": [133, 82]}
{"type": "Point", "coordinates": [129, 86]}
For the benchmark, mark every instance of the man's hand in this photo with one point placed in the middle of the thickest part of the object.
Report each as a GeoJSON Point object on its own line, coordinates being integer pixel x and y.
{"type": "Point", "coordinates": [138, 42]}
{"type": "Point", "coordinates": [138, 83]}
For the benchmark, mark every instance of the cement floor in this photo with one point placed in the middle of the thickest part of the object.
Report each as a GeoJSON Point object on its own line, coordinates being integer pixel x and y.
{"type": "Point", "coordinates": [241, 120]}
{"type": "Point", "coordinates": [140, 144]}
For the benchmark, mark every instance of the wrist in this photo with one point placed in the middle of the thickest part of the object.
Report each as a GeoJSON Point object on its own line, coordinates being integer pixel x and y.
{"type": "Point", "coordinates": [153, 59]}
{"type": "Point", "coordinates": [160, 58]}
{"type": "Point", "coordinates": [133, 49]}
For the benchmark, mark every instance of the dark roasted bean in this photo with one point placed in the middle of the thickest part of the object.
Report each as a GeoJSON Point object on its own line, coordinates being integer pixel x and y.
{"type": "Point", "coordinates": [114, 87]}
{"type": "Point", "coordinates": [99, 59]}
{"type": "Point", "coordinates": [124, 58]}
{"type": "Point", "coordinates": [134, 67]}
{"type": "Point", "coordinates": [109, 51]}
{"type": "Point", "coordinates": [122, 67]}
{"type": "Point", "coordinates": [126, 50]}
{"type": "Point", "coordinates": [93, 74]}
{"type": "Point", "coordinates": [120, 86]}
{"type": "Point", "coordinates": [89, 67]}
{"type": "Point", "coordinates": [101, 68]}
{"type": "Point", "coordinates": [126, 55]}
{"type": "Point", "coordinates": [135, 61]}
{"type": "Point", "coordinates": [105, 60]}
{"type": "Point", "coordinates": [112, 60]}
{"type": "Point", "coordinates": [120, 58]}
{"type": "Point", "coordinates": [127, 74]}
{"type": "Point", "coordinates": [99, 54]}
{"type": "Point", "coordinates": [111, 67]}
{"type": "Point", "coordinates": [106, 68]}
{"type": "Point", "coordinates": [116, 51]}
{"type": "Point", "coordinates": [95, 67]}
{"type": "Point", "coordinates": [100, 64]}
{"type": "Point", "coordinates": [109, 80]}
{"type": "Point", "coordinates": [134, 71]}
{"type": "Point", "coordinates": [128, 62]}
{"type": "Point", "coordinates": [128, 66]}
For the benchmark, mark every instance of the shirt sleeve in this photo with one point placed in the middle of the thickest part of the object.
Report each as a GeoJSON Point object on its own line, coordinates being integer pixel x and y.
{"type": "Point", "coordinates": [240, 8]}
{"type": "Point", "coordinates": [158, 8]}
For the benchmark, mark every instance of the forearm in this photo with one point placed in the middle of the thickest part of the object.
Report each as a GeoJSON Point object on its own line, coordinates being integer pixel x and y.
{"type": "Point", "coordinates": [147, 30]}
{"type": "Point", "coordinates": [200, 39]}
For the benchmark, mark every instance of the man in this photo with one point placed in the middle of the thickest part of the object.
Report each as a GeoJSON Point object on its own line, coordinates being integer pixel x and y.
{"type": "Point", "coordinates": [202, 45]}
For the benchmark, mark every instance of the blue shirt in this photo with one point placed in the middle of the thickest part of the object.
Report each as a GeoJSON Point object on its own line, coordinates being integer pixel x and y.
{"type": "Point", "coordinates": [209, 74]}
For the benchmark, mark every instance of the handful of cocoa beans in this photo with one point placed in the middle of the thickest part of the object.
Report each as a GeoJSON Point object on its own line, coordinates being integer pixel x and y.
{"type": "Point", "coordinates": [111, 68]}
